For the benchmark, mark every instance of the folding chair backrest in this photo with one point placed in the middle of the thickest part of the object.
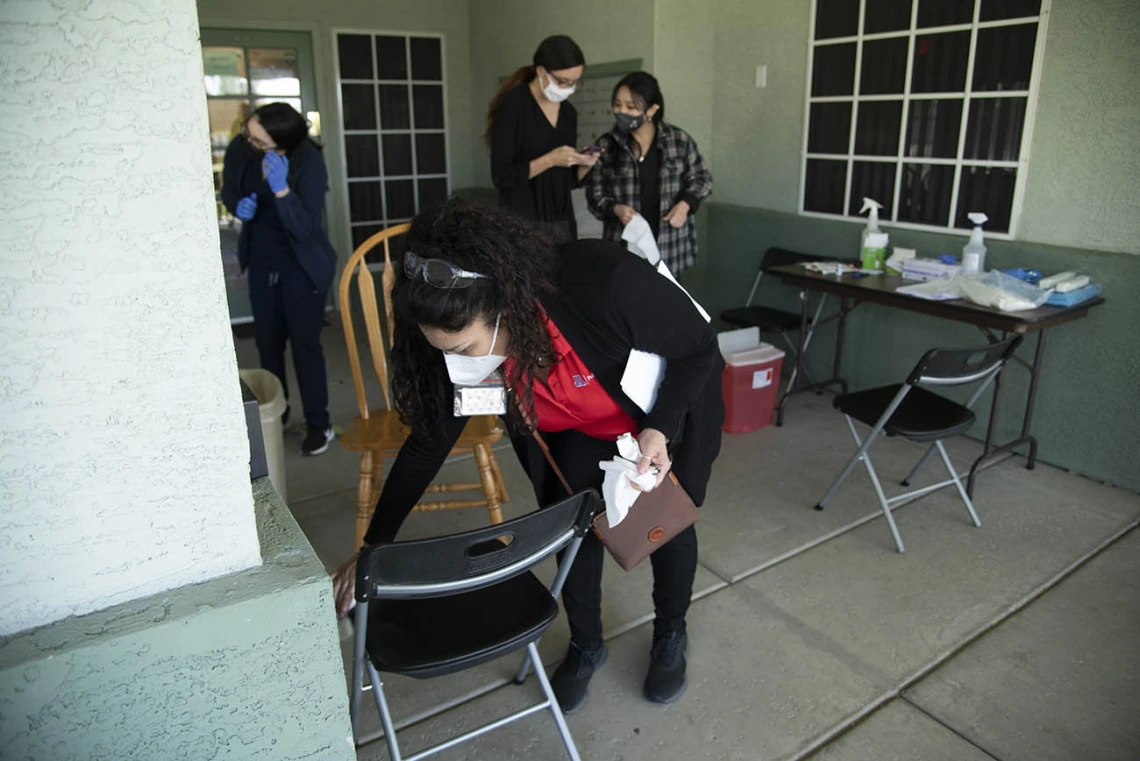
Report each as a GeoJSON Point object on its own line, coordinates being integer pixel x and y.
{"type": "Point", "coordinates": [949, 367]}
{"type": "Point", "coordinates": [471, 560]}
{"type": "Point", "coordinates": [778, 257]}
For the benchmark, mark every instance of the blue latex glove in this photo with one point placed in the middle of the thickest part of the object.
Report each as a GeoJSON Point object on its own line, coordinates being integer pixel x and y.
{"type": "Point", "coordinates": [247, 208]}
{"type": "Point", "coordinates": [276, 168]}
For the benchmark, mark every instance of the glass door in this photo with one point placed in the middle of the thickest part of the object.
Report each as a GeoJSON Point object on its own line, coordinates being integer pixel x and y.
{"type": "Point", "coordinates": [245, 69]}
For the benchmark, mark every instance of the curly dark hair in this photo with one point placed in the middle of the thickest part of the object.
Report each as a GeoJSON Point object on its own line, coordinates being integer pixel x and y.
{"type": "Point", "coordinates": [519, 260]}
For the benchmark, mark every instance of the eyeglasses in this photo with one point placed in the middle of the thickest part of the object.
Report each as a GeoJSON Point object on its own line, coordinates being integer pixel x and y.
{"type": "Point", "coordinates": [438, 272]}
{"type": "Point", "coordinates": [567, 83]}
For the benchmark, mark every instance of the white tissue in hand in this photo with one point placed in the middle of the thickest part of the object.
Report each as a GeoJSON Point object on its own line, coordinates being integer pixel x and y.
{"type": "Point", "coordinates": [617, 488]}
{"type": "Point", "coordinates": [639, 237]}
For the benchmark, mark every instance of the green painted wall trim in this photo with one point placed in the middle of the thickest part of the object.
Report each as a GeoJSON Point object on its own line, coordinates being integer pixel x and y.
{"type": "Point", "coordinates": [245, 666]}
{"type": "Point", "coordinates": [1087, 418]}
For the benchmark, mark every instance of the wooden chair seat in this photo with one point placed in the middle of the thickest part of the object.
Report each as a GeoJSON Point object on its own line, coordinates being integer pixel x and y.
{"type": "Point", "coordinates": [384, 431]}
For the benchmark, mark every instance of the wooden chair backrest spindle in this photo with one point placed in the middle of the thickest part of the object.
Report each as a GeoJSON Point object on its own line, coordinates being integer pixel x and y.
{"type": "Point", "coordinates": [366, 287]}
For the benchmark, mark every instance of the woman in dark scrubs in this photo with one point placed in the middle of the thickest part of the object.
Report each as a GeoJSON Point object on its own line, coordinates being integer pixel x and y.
{"type": "Point", "coordinates": [532, 133]}
{"type": "Point", "coordinates": [275, 181]}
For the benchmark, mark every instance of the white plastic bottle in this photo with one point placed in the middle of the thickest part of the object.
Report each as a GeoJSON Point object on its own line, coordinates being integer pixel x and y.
{"type": "Point", "coordinates": [872, 251]}
{"type": "Point", "coordinates": [974, 252]}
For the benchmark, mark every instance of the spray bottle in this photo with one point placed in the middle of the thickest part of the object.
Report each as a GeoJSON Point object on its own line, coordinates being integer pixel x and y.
{"type": "Point", "coordinates": [873, 248]}
{"type": "Point", "coordinates": [974, 252]}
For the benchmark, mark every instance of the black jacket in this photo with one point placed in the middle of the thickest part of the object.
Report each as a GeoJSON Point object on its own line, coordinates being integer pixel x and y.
{"type": "Point", "coordinates": [609, 302]}
{"type": "Point", "coordinates": [301, 210]}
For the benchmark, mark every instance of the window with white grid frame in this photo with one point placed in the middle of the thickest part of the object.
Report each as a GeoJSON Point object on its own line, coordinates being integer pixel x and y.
{"type": "Point", "coordinates": [393, 127]}
{"type": "Point", "coordinates": [923, 106]}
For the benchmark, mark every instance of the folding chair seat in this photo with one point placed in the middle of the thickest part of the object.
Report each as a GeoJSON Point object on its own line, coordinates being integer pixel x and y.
{"type": "Point", "coordinates": [419, 638]}
{"type": "Point", "coordinates": [922, 415]}
{"type": "Point", "coordinates": [918, 414]}
{"type": "Point", "coordinates": [431, 607]}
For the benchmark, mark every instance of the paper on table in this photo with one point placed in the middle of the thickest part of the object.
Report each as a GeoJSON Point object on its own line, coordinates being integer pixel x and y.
{"type": "Point", "coordinates": [933, 290]}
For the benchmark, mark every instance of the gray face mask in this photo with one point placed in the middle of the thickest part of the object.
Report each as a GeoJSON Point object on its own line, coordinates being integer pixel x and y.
{"type": "Point", "coordinates": [627, 123]}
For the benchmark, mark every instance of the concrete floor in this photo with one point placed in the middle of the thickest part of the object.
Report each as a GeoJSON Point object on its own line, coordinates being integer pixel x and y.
{"type": "Point", "coordinates": [810, 636]}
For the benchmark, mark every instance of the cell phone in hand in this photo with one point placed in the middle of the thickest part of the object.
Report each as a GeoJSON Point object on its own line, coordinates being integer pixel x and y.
{"type": "Point", "coordinates": [591, 150]}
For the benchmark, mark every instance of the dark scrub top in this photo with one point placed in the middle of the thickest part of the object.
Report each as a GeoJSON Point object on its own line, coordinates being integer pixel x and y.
{"type": "Point", "coordinates": [521, 134]}
{"type": "Point", "coordinates": [269, 246]}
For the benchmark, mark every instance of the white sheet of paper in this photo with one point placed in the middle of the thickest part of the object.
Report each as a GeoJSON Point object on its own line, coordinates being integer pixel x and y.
{"type": "Point", "coordinates": [642, 378]}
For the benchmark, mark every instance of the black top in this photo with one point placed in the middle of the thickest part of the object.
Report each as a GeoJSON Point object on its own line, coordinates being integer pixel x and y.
{"type": "Point", "coordinates": [521, 134]}
{"type": "Point", "coordinates": [291, 227]}
{"type": "Point", "coordinates": [651, 187]}
{"type": "Point", "coordinates": [601, 310]}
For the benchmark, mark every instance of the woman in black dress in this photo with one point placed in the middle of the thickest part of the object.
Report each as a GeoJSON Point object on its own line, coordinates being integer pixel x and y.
{"type": "Point", "coordinates": [532, 135]}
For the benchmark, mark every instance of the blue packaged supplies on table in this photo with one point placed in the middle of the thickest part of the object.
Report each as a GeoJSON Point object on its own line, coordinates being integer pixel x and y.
{"type": "Point", "coordinates": [1079, 296]}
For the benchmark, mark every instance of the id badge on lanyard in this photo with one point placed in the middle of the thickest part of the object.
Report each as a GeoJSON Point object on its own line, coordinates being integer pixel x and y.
{"type": "Point", "coordinates": [488, 398]}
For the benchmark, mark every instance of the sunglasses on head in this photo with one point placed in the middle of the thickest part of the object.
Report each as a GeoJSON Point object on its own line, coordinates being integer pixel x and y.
{"type": "Point", "coordinates": [438, 272]}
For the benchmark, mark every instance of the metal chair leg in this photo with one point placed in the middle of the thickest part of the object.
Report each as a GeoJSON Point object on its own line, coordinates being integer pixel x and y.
{"type": "Point", "coordinates": [385, 715]}
{"type": "Point", "coordinates": [860, 453]}
{"type": "Point", "coordinates": [556, 709]}
{"type": "Point", "coordinates": [958, 483]}
{"type": "Point", "coordinates": [883, 504]}
{"type": "Point", "coordinates": [863, 445]}
{"type": "Point", "coordinates": [914, 471]}
{"type": "Point", "coordinates": [358, 657]}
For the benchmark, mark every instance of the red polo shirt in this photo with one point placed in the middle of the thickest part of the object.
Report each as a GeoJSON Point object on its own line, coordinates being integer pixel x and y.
{"type": "Point", "coordinates": [575, 399]}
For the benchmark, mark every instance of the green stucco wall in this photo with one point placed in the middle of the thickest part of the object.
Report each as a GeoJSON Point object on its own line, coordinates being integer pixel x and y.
{"type": "Point", "coordinates": [1085, 146]}
{"type": "Point", "coordinates": [242, 667]}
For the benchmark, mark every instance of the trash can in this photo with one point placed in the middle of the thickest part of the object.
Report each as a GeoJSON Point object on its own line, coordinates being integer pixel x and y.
{"type": "Point", "coordinates": [271, 405]}
{"type": "Point", "coordinates": [751, 380]}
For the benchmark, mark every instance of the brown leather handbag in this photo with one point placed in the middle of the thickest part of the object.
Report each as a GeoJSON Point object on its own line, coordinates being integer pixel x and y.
{"type": "Point", "coordinates": [656, 517]}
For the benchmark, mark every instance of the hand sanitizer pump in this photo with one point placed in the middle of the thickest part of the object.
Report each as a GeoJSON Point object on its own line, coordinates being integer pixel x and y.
{"type": "Point", "coordinates": [873, 244]}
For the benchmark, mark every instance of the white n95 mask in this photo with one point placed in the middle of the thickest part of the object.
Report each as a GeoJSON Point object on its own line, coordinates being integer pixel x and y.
{"type": "Point", "coordinates": [554, 93]}
{"type": "Point", "coordinates": [471, 371]}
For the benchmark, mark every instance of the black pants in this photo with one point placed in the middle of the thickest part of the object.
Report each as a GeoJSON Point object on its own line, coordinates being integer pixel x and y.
{"type": "Point", "coordinates": [287, 308]}
{"type": "Point", "coordinates": [674, 564]}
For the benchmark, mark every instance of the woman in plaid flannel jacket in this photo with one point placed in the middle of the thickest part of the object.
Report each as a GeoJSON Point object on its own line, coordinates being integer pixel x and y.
{"type": "Point", "coordinates": [674, 172]}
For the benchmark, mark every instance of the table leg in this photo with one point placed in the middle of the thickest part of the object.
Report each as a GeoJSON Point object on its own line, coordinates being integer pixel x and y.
{"type": "Point", "coordinates": [1027, 422]}
{"type": "Point", "coordinates": [797, 386]}
{"type": "Point", "coordinates": [845, 306]}
{"type": "Point", "coordinates": [992, 455]}
{"type": "Point", "coordinates": [798, 375]}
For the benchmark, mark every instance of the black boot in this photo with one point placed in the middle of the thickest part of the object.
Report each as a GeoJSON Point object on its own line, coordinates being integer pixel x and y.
{"type": "Point", "coordinates": [666, 678]}
{"type": "Point", "coordinates": [571, 679]}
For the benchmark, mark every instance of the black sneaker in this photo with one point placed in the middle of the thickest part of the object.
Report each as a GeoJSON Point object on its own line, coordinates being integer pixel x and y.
{"type": "Point", "coordinates": [572, 677]}
{"type": "Point", "coordinates": [666, 678]}
{"type": "Point", "coordinates": [317, 441]}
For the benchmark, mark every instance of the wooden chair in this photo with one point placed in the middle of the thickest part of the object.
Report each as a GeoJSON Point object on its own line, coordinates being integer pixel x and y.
{"type": "Point", "coordinates": [378, 433]}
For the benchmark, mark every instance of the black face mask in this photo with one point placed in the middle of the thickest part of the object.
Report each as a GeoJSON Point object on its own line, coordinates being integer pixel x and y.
{"type": "Point", "coordinates": [627, 123]}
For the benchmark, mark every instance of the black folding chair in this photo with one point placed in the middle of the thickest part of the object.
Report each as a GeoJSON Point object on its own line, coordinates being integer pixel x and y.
{"type": "Point", "coordinates": [431, 607]}
{"type": "Point", "coordinates": [771, 320]}
{"type": "Point", "coordinates": [913, 412]}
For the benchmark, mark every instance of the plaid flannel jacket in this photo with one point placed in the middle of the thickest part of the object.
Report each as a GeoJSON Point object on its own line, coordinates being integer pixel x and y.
{"type": "Point", "coordinates": [616, 178]}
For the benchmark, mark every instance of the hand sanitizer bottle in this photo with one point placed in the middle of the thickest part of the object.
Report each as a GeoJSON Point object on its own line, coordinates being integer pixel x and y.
{"type": "Point", "coordinates": [873, 244]}
{"type": "Point", "coordinates": [974, 252]}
